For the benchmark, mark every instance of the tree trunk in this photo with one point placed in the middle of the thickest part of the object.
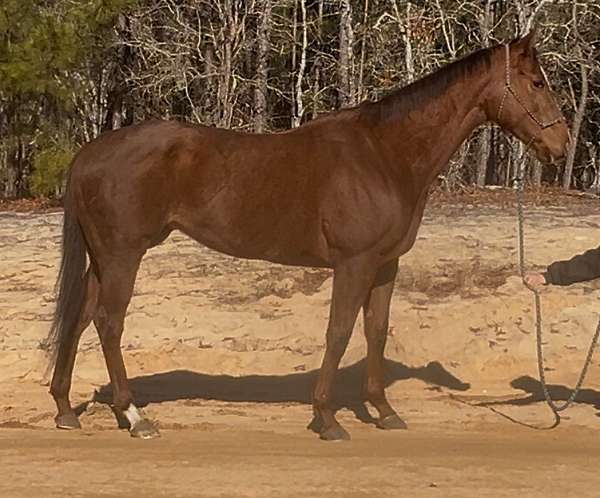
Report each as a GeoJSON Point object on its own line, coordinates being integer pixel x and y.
{"type": "Point", "coordinates": [10, 187]}
{"type": "Point", "coordinates": [225, 86]}
{"type": "Point", "coordinates": [517, 163]}
{"type": "Point", "coordinates": [116, 85]}
{"type": "Point", "coordinates": [448, 35]}
{"type": "Point", "coordinates": [260, 92]}
{"type": "Point", "coordinates": [299, 108]}
{"type": "Point", "coordinates": [537, 173]}
{"type": "Point", "coordinates": [317, 64]}
{"type": "Point", "coordinates": [408, 54]}
{"type": "Point", "coordinates": [483, 155]}
{"type": "Point", "coordinates": [577, 120]}
{"type": "Point", "coordinates": [595, 162]}
{"type": "Point", "coordinates": [406, 30]}
{"type": "Point", "coordinates": [363, 44]}
{"type": "Point", "coordinates": [209, 74]}
{"type": "Point", "coordinates": [345, 62]}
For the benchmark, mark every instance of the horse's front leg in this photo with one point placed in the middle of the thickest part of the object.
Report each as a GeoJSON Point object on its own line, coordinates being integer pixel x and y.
{"type": "Point", "coordinates": [376, 312]}
{"type": "Point", "coordinates": [351, 282]}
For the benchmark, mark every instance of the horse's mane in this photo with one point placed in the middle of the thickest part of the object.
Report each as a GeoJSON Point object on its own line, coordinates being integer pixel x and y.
{"type": "Point", "coordinates": [398, 103]}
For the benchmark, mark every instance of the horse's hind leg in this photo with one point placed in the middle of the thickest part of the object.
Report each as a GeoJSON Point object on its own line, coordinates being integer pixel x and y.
{"type": "Point", "coordinates": [376, 318]}
{"type": "Point", "coordinates": [63, 369]}
{"type": "Point", "coordinates": [117, 280]}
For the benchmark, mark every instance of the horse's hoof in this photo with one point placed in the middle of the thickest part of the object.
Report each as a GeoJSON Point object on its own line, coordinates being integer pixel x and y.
{"type": "Point", "coordinates": [335, 433]}
{"type": "Point", "coordinates": [144, 430]}
{"type": "Point", "coordinates": [391, 422]}
{"type": "Point", "coordinates": [67, 421]}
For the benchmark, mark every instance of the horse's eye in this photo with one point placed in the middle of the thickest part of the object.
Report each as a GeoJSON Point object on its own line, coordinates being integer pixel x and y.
{"type": "Point", "coordinates": [538, 84]}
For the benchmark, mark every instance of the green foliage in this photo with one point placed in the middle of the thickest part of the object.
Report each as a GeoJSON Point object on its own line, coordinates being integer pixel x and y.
{"type": "Point", "coordinates": [50, 164]}
{"type": "Point", "coordinates": [50, 52]}
{"type": "Point", "coordinates": [40, 41]}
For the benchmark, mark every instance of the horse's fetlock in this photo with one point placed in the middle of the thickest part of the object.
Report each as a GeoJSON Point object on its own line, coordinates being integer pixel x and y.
{"type": "Point", "coordinates": [122, 402]}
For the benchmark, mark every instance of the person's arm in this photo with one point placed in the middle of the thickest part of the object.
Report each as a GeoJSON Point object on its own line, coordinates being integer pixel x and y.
{"type": "Point", "coordinates": [579, 268]}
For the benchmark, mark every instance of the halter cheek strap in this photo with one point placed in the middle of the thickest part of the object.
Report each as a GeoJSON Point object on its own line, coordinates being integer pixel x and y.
{"type": "Point", "coordinates": [508, 89]}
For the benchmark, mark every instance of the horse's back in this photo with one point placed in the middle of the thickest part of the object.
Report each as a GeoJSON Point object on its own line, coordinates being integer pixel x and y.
{"type": "Point", "coordinates": [236, 192]}
{"type": "Point", "coordinates": [275, 196]}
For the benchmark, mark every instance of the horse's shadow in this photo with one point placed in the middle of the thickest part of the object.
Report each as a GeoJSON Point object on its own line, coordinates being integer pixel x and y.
{"type": "Point", "coordinates": [292, 388]}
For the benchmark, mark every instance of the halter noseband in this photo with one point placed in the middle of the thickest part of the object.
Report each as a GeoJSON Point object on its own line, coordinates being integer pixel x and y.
{"type": "Point", "coordinates": [509, 89]}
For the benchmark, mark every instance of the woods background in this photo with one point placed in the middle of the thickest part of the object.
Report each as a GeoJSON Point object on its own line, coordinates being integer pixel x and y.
{"type": "Point", "coordinates": [70, 70]}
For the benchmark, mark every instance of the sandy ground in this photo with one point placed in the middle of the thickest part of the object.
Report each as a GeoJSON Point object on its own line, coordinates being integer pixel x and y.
{"type": "Point", "coordinates": [223, 354]}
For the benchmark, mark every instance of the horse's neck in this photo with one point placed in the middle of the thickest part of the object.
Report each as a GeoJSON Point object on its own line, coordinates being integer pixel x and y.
{"type": "Point", "coordinates": [426, 138]}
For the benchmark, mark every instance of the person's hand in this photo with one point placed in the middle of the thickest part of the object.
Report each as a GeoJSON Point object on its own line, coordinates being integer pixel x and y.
{"type": "Point", "coordinates": [535, 280]}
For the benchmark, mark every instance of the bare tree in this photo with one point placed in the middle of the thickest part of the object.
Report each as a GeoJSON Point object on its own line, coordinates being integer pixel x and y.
{"type": "Point", "coordinates": [260, 93]}
{"type": "Point", "coordinates": [299, 79]}
{"type": "Point", "coordinates": [580, 112]}
{"type": "Point", "coordinates": [270, 64]}
{"type": "Point", "coordinates": [346, 58]}
{"type": "Point", "coordinates": [404, 21]}
{"type": "Point", "coordinates": [486, 22]}
{"type": "Point", "coordinates": [363, 52]}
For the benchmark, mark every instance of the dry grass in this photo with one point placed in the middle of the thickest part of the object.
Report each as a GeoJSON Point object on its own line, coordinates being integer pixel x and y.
{"type": "Point", "coordinates": [467, 279]}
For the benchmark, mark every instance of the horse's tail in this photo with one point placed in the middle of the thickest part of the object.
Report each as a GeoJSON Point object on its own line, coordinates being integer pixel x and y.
{"type": "Point", "coordinates": [70, 284]}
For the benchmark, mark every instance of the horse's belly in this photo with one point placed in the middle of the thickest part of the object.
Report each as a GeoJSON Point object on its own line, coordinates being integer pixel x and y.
{"type": "Point", "coordinates": [405, 235]}
{"type": "Point", "coordinates": [286, 245]}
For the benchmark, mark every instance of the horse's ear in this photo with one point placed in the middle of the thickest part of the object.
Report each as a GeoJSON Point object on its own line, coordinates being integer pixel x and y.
{"type": "Point", "coordinates": [525, 45]}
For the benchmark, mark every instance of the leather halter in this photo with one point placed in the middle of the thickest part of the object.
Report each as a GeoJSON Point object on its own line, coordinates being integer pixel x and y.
{"type": "Point", "coordinates": [508, 89]}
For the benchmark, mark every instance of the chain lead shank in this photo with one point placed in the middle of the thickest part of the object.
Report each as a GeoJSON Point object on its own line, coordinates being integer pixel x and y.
{"type": "Point", "coordinates": [538, 315]}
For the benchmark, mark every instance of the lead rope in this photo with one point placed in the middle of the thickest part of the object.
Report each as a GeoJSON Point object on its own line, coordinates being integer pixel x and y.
{"type": "Point", "coordinates": [519, 182]}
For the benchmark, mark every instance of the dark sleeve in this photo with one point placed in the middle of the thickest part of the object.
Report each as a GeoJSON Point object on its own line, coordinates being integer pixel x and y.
{"type": "Point", "coordinates": [579, 268]}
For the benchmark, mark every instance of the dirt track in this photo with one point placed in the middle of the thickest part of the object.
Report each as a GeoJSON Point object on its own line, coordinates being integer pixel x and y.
{"type": "Point", "coordinates": [223, 354]}
{"type": "Point", "coordinates": [419, 463]}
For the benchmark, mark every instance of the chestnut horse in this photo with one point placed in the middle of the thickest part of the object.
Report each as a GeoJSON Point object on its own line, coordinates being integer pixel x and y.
{"type": "Point", "coordinates": [346, 192]}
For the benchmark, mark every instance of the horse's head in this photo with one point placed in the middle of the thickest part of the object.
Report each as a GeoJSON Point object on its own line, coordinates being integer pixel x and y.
{"type": "Point", "coordinates": [521, 101]}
